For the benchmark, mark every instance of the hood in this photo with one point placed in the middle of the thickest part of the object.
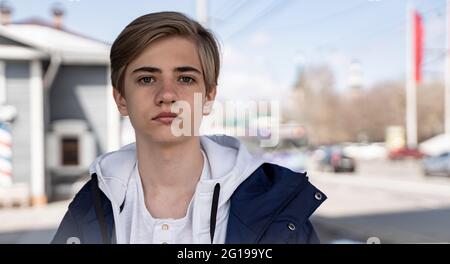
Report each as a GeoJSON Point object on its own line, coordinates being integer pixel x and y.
{"type": "Point", "coordinates": [229, 160]}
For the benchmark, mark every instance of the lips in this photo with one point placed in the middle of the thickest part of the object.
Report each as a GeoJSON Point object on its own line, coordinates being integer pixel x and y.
{"type": "Point", "coordinates": [165, 117]}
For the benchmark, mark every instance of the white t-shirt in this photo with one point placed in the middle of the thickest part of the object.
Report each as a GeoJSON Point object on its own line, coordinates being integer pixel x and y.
{"type": "Point", "coordinates": [142, 228]}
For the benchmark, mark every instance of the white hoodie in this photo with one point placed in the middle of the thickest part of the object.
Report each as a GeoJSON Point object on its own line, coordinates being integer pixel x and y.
{"type": "Point", "coordinates": [230, 164]}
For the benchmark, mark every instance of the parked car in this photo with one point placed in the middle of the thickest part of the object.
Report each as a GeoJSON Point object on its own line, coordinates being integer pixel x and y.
{"type": "Point", "coordinates": [334, 159]}
{"type": "Point", "coordinates": [405, 153]}
{"type": "Point", "coordinates": [437, 165]}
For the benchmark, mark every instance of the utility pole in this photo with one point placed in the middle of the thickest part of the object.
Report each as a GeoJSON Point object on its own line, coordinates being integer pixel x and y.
{"type": "Point", "coordinates": [202, 12]}
{"type": "Point", "coordinates": [411, 102]}
{"type": "Point", "coordinates": [447, 72]}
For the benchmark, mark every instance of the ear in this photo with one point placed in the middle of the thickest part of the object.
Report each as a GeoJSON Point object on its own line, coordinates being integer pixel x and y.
{"type": "Point", "coordinates": [209, 101]}
{"type": "Point", "coordinates": [121, 102]}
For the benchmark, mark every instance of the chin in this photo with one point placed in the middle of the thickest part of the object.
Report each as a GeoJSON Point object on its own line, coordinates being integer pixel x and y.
{"type": "Point", "coordinates": [165, 136]}
{"type": "Point", "coordinates": [169, 139]}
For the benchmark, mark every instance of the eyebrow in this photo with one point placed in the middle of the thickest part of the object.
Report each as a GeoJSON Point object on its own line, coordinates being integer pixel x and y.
{"type": "Point", "coordinates": [157, 70]}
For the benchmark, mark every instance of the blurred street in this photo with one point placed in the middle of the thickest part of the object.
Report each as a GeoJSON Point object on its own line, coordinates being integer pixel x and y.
{"type": "Point", "coordinates": [392, 201]}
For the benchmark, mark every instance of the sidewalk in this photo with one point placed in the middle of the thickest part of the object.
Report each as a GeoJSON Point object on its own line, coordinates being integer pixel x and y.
{"type": "Point", "coordinates": [31, 225]}
{"type": "Point", "coordinates": [393, 210]}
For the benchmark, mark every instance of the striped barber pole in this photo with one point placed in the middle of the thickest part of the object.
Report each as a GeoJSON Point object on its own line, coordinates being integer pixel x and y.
{"type": "Point", "coordinates": [5, 155]}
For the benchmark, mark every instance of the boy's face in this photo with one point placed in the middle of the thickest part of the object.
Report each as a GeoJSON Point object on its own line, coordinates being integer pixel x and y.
{"type": "Point", "coordinates": [167, 71]}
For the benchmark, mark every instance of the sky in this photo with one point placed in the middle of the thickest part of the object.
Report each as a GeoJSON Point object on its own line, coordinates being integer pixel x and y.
{"type": "Point", "coordinates": [264, 42]}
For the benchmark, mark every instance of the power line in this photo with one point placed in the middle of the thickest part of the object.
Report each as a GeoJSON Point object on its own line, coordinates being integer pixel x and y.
{"type": "Point", "coordinates": [269, 10]}
{"type": "Point", "coordinates": [324, 18]}
{"type": "Point", "coordinates": [227, 6]}
{"type": "Point", "coordinates": [374, 34]}
{"type": "Point", "coordinates": [237, 8]}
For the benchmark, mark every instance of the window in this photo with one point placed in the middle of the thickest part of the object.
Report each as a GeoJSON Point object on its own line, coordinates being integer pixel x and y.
{"type": "Point", "coordinates": [70, 155]}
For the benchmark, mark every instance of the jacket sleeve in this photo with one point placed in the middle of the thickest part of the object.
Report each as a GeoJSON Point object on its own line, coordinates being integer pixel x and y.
{"type": "Point", "coordinates": [68, 231]}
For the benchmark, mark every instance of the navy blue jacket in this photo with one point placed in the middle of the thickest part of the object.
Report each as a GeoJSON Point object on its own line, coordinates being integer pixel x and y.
{"type": "Point", "coordinates": [271, 206]}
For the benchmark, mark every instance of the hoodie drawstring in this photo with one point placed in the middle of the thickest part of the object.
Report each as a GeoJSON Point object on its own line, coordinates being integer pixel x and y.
{"type": "Point", "coordinates": [215, 203]}
{"type": "Point", "coordinates": [101, 218]}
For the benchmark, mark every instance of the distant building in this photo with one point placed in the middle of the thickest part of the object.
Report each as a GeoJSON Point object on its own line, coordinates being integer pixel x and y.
{"type": "Point", "coordinates": [54, 85]}
{"type": "Point", "coordinates": [355, 78]}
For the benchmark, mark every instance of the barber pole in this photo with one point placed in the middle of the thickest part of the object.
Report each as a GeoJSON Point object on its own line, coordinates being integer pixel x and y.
{"type": "Point", "coordinates": [5, 155]}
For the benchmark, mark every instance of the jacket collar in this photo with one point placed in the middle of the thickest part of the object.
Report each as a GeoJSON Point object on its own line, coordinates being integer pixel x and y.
{"type": "Point", "coordinates": [267, 193]}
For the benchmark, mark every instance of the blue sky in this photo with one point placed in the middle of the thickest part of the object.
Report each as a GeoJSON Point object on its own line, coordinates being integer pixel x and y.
{"type": "Point", "coordinates": [263, 39]}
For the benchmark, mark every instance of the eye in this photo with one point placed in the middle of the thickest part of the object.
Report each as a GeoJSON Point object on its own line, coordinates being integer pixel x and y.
{"type": "Point", "coordinates": [186, 79]}
{"type": "Point", "coordinates": [146, 80]}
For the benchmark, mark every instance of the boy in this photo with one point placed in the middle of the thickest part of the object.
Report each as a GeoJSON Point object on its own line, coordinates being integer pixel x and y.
{"type": "Point", "coordinates": [181, 189]}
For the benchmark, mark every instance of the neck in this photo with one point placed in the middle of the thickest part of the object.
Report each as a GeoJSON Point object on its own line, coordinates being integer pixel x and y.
{"type": "Point", "coordinates": [169, 168]}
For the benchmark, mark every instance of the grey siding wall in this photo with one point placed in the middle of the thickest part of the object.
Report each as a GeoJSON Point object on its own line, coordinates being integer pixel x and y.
{"type": "Point", "coordinates": [18, 94]}
{"type": "Point", "coordinates": [79, 92]}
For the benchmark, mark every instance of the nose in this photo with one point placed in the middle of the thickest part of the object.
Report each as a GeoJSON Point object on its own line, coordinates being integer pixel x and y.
{"type": "Point", "coordinates": [166, 95]}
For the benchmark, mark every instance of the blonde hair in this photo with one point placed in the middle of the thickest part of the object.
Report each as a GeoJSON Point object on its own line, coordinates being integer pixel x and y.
{"type": "Point", "coordinates": [144, 30]}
